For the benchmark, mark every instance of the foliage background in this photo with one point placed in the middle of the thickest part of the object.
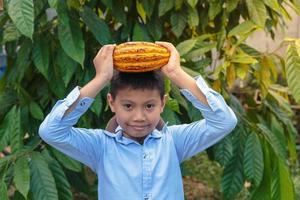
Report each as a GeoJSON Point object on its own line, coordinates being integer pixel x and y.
{"type": "Point", "coordinates": [49, 54]}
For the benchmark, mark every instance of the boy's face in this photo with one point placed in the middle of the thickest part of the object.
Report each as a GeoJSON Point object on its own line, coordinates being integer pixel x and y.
{"type": "Point", "coordinates": [137, 111]}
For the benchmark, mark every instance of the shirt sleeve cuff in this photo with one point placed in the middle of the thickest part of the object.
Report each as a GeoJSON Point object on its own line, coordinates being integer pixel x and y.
{"type": "Point", "coordinates": [82, 105]}
{"type": "Point", "coordinates": [209, 93]}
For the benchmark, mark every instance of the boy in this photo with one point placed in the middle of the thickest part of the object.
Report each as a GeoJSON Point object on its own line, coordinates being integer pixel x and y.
{"type": "Point", "coordinates": [137, 161]}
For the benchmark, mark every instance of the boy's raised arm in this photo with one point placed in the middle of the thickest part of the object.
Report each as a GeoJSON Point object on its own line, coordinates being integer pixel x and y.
{"type": "Point", "coordinates": [219, 119]}
{"type": "Point", "coordinates": [57, 128]}
{"type": "Point", "coordinates": [103, 63]}
{"type": "Point", "coordinates": [179, 77]}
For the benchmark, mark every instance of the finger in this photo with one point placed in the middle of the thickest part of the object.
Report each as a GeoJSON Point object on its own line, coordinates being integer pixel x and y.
{"type": "Point", "coordinates": [168, 45]}
{"type": "Point", "coordinates": [108, 49]}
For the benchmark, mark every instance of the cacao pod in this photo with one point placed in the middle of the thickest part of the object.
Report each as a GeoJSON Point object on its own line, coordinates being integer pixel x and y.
{"type": "Point", "coordinates": [139, 56]}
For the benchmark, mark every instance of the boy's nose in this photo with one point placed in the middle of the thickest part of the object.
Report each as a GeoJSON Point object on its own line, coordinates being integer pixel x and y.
{"type": "Point", "coordinates": [139, 116]}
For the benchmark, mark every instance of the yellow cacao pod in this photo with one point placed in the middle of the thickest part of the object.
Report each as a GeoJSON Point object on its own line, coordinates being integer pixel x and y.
{"type": "Point", "coordinates": [139, 56]}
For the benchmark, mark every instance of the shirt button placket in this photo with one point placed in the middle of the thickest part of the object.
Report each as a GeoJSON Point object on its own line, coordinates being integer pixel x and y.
{"type": "Point", "coordinates": [146, 175]}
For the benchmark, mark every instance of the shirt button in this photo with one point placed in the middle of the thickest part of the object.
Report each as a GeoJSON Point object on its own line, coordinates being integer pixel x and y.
{"type": "Point", "coordinates": [144, 155]}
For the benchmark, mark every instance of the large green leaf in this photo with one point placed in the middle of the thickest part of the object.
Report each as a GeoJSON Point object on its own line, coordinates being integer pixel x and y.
{"type": "Point", "coordinates": [22, 14]}
{"type": "Point", "coordinates": [165, 6]}
{"type": "Point", "coordinates": [232, 180]}
{"type": "Point", "coordinates": [42, 183]}
{"type": "Point", "coordinates": [97, 105]}
{"type": "Point", "coordinates": [61, 181]}
{"type": "Point", "coordinates": [282, 185]}
{"type": "Point", "coordinates": [292, 69]}
{"type": "Point", "coordinates": [97, 26]}
{"type": "Point", "coordinates": [69, 33]}
{"type": "Point", "coordinates": [242, 29]}
{"type": "Point", "coordinates": [263, 192]}
{"type": "Point", "coordinates": [66, 65]}
{"type": "Point", "coordinates": [224, 150]}
{"type": "Point", "coordinates": [193, 18]}
{"type": "Point", "coordinates": [257, 12]}
{"type": "Point", "coordinates": [22, 176]}
{"type": "Point", "coordinates": [178, 22]}
{"type": "Point", "coordinates": [253, 160]}
{"type": "Point", "coordinates": [41, 56]}
{"type": "Point", "coordinates": [66, 161]}
{"type": "Point", "coordinates": [36, 111]}
{"type": "Point", "coordinates": [3, 191]}
{"type": "Point", "coordinates": [273, 140]}
{"type": "Point", "coordinates": [14, 128]}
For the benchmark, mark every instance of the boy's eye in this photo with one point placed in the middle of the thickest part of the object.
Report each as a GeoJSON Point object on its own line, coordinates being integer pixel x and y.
{"type": "Point", "coordinates": [127, 106]}
{"type": "Point", "coordinates": [150, 106]}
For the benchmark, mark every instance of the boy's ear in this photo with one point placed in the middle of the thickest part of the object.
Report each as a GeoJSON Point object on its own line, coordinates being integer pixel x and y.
{"type": "Point", "coordinates": [164, 101]}
{"type": "Point", "coordinates": [110, 101]}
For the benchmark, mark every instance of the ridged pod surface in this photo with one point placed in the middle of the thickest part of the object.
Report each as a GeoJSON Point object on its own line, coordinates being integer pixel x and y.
{"type": "Point", "coordinates": [139, 56]}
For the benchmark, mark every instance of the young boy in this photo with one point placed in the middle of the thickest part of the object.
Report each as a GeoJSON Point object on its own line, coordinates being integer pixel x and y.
{"type": "Point", "coordinates": [137, 161]}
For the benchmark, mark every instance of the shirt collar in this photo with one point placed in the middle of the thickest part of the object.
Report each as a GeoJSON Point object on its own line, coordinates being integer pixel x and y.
{"type": "Point", "coordinates": [120, 138]}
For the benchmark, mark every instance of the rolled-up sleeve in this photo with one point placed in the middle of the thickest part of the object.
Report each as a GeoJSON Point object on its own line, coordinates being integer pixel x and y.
{"type": "Point", "coordinates": [57, 130]}
{"type": "Point", "coordinates": [219, 120]}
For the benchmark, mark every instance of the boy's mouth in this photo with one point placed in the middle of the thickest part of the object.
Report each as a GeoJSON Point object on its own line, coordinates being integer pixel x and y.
{"type": "Point", "coordinates": [139, 127]}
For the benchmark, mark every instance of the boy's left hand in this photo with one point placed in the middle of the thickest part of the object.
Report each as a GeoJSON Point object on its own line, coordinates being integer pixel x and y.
{"type": "Point", "coordinates": [172, 68]}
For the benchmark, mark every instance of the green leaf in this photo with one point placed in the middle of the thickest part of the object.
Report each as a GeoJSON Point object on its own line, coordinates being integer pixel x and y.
{"type": "Point", "coordinates": [36, 111]}
{"type": "Point", "coordinates": [232, 180]}
{"type": "Point", "coordinates": [282, 185]}
{"type": "Point", "coordinates": [66, 65]}
{"type": "Point", "coordinates": [193, 17]}
{"type": "Point", "coordinates": [97, 105]}
{"type": "Point", "coordinates": [42, 183]}
{"type": "Point", "coordinates": [272, 140]}
{"type": "Point", "coordinates": [165, 6]}
{"type": "Point", "coordinates": [186, 46]}
{"type": "Point", "coordinates": [224, 150]}
{"type": "Point", "coordinates": [10, 33]}
{"type": "Point", "coordinates": [197, 53]}
{"type": "Point", "coordinates": [242, 29]}
{"type": "Point", "coordinates": [14, 128]}
{"type": "Point", "coordinates": [97, 26]}
{"type": "Point", "coordinates": [148, 6]}
{"type": "Point", "coordinates": [257, 12]}
{"type": "Point", "coordinates": [292, 69]}
{"type": "Point", "coordinates": [22, 14]}
{"type": "Point", "coordinates": [263, 192]}
{"type": "Point", "coordinates": [22, 176]}
{"type": "Point", "coordinates": [173, 104]}
{"type": "Point", "coordinates": [139, 33]}
{"type": "Point", "coordinates": [41, 56]}
{"type": "Point", "coordinates": [119, 13]}
{"type": "Point", "coordinates": [192, 3]}
{"type": "Point", "coordinates": [22, 62]}
{"type": "Point", "coordinates": [253, 160]}
{"type": "Point", "coordinates": [243, 58]}
{"type": "Point", "coordinates": [61, 181]}
{"type": "Point", "coordinates": [232, 4]}
{"type": "Point", "coordinates": [169, 115]}
{"type": "Point", "coordinates": [53, 3]}
{"type": "Point", "coordinates": [178, 22]}
{"type": "Point", "coordinates": [69, 33]}
{"type": "Point", "coordinates": [66, 161]}
{"type": "Point", "coordinates": [215, 7]}
{"type": "Point", "coordinates": [141, 11]}
{"type": "Point", "coordinates": [3, 191]}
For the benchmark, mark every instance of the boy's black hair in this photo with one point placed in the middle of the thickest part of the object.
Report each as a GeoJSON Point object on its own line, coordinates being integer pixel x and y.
{"type": "Point", "coordinates": [145, 80]}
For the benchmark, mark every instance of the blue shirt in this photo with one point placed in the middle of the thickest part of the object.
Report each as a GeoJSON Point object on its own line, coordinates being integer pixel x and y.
{"type": "Point", "coordinates": [127, 169]}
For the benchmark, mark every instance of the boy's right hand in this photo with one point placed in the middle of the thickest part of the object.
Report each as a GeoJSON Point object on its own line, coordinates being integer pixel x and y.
{"type": "Point", "coordinates": [103, 62]}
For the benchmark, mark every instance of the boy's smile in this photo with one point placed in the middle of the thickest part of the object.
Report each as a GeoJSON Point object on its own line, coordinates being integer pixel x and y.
{"type": "Point", "coordinates": [137, 111]}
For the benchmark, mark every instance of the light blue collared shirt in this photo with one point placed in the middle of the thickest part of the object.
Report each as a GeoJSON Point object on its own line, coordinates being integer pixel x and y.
{"type": "Point", "coordinates": [127, 169]}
